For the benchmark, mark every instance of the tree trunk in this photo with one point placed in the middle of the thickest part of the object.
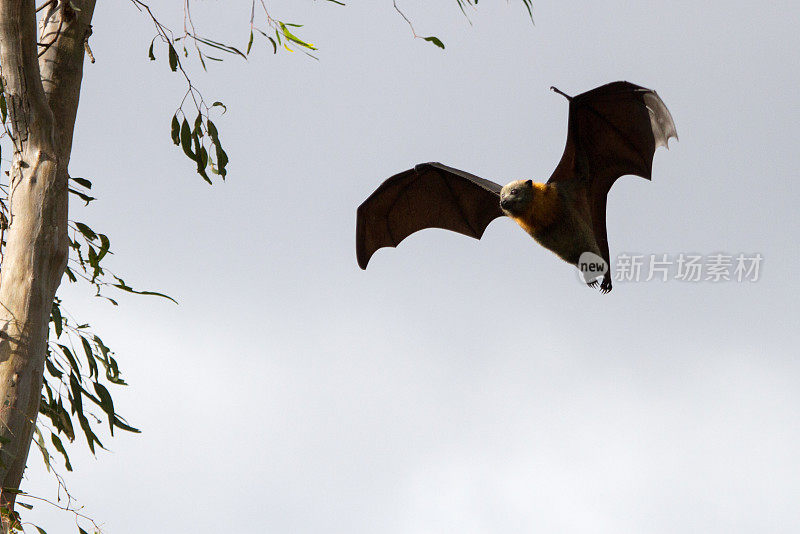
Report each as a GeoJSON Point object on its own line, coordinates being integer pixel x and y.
{"type": "Point", "coordinates": [42, 99]}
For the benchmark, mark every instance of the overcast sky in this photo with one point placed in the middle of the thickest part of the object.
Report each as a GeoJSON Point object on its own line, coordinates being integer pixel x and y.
{"type": "Point", "coordinates": [456, 386]}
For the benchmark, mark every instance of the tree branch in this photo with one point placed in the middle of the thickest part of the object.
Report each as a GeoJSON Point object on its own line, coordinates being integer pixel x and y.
{"type": "Point", "coordinates": [62, 68]}
{"type": "Point", "coordinates": [28, 109]}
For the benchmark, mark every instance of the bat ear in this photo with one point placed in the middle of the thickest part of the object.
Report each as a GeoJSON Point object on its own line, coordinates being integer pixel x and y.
{"type": "Point", "coordinates": [529, 183]}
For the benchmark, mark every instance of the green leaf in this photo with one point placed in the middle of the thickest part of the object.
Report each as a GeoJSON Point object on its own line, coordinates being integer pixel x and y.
{"type": "Point", "coordinates": [153, 293]}
{"type": "Point", "coordinates": [42, 448]}
{"type": "Point", "coordinates": [435, 40]}
{"type": "Point", "coordinates": [60, 448]}
{"type": "Point", "coordinates": [202, 61]}
{"type": "Point", "coordinates": [221, 46]}
{"type": "Point", "coordinates": [528, 7]}
{"type": "Point", "coordinates": [40, 529]}
{"type": "Point", "coordinates": [55, 411]}
{"type": "Point", "coordinates": [25, 505]}
{"type": "Point", "coordinates": [220, 104]}
{"type": "Point", "coordinates": [3, 108]}
{"type": "Point", "coordinates": [87, 348]}
{"type": "Point", "coordinates": [82, 181]}
{"type": "Point", "coordinates": [112, 372]}
{"type": "Point", "coordinates": [289, 35]}
{"type": "Point", "coordinates": [83, 196]}
{"type": "Point", "coordinates": [77, 400]}
{"type": "Point", "coordinates": [150, 51]}
{"type": "Point", "coordinates": [221, 156]}
{"type": "Point", "coordinates": [186, 140]}
{"type": "Point", "coordinates": [65, 422]}
{"type": "Point", "coordinates": [87, 232]}
{"type": "Point", "coordinates": [105, 245]}
{"type": "Point", "coordinates": [51, 368]}
{"type": "Point", "coordinates": [105, 351]}
{"type": "Point", "coordinates": [175, 130]}
{"type": "Point", "coordinates": [173, 58]}
{"type": "Point", "coordinates": [123, 426]}
{"type": "Point", "coordinates": [91, 437]}
{"type": "Point", "coordinates": [72, 361]}
{"type": "Point", "coordinates": [58, 321]}
{"type": "Point", "coordinates": [125, 287]}
{"type": "Point", "coordinates": [250, 42]}
{"type": "Point", "coordinates": [106, 403]}
{"type": "Point", "coordinates": [81, 531]}
{"type": "Point", "coordinates": [271, 40]}
{"type": "Point", "coordinates": [202, 158]}
{"type": "Point", "coordinates": [93, 259]}
{"type": "Point", "coordinates": [212, 130]}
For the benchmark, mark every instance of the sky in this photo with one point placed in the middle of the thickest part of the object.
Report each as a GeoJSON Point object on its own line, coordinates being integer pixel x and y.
{"type": "Point", "coordinates": [456, 386]}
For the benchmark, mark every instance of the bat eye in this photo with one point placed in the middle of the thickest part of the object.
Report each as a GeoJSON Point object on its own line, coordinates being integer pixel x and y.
{"type": "Point", "coordinates": [514, 191]}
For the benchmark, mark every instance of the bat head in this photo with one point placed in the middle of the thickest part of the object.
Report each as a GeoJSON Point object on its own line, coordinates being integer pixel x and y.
{"type": "Point", "coordinates": [516, 198]}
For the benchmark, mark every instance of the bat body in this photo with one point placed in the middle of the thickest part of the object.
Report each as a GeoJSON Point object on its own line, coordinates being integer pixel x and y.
{"type": "Point", "coordinates": [557, 216]}
{"type": "Point", "coordinates": [612, 131]}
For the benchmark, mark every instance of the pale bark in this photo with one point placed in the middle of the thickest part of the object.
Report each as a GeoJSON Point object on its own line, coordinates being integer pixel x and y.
{"type": "Point", "coordinates": [42, 95]}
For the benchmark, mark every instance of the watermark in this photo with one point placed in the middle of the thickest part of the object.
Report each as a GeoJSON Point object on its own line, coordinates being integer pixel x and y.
{"type": "Point", "coordinates": [714, 268]}
{"type": "Point", "coordinates": [591, 267]}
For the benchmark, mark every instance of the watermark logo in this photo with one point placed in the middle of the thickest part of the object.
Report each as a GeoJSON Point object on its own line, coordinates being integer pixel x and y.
{"type": "Point", "coordinates": [591, 267]}
{"type": "Point", "coordinates": [714, 268]}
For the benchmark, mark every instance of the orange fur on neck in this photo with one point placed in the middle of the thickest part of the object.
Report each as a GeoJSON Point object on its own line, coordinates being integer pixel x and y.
{"type": "Point", "coordinates": [543, 210]}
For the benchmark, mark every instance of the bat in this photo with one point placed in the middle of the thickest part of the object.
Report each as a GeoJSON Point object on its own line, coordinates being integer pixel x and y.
{"type": "Point", "coordinates": [613, 130]}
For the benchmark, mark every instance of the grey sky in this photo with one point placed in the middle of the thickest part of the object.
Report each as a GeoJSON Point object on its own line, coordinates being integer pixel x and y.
{"type": "Point", "coordinates": [455, 386]}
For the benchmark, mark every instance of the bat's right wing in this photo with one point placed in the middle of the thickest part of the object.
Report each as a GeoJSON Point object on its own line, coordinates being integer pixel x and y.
{"type": "Point", "coordinates": [613, 130]}
{"type": "Point", "coordinates": [430, 195]}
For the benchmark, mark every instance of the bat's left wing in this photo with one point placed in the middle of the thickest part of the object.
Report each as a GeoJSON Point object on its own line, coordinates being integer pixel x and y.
{"type": "Point", "coordinates": [613, 130]}
{"type": "Point", "coordinates": [430, 195]}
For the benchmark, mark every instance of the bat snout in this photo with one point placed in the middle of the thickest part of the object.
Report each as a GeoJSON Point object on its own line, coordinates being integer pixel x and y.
{"type": "Point", "coordinates": [511, 204]}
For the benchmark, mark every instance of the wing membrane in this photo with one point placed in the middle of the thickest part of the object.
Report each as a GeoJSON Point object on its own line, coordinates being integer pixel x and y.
{"type": "Point", "coordinates": [613, 130]}
{"type": "Point", "coordinates": [430, 195]}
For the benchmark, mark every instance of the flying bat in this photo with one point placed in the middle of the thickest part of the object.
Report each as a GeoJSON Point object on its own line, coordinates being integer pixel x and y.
{"type": "Point", "coordinates": [612, 131]}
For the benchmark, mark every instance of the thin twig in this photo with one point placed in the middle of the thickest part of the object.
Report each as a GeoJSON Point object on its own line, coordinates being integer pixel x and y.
{"type": "Point", "coordinates": [67, 508]}
{"type": "Point", "coordinates": [86, 44]}
{"type": "Point", "coordinates": [45, 5]}
{"type": "Point", "coordinates": [394, 2]}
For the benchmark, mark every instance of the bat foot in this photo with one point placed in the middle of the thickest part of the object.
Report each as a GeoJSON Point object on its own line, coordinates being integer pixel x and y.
{"type": "Point", "coordinates": [592, 284]}
{"type": "Point", "coordinates": [605, 287]}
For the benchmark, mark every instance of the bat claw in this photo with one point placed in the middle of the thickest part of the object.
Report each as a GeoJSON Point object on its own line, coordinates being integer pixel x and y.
{"type": "Point", "coordinates": [592, 284]}
{"type": "Point", "coordinates": [557, 90]}
{"type": "Point", "coordinates": [605, 287]}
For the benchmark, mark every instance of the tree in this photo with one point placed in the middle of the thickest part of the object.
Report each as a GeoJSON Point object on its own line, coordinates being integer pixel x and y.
{"type": "Point", "coordinates": [41, 73]}
{"type": "Point", "coordinates": [41, 95]}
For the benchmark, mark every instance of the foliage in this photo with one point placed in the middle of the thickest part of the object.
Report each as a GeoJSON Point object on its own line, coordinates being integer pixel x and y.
{"type": "Point", "coordinates": [199, 137]}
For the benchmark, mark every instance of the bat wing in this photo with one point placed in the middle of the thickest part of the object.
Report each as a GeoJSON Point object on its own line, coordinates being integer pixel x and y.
{"type": "Point", "coordinates": [613, 130]}
{"type": "Point", "coordinates": [430, 195]}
